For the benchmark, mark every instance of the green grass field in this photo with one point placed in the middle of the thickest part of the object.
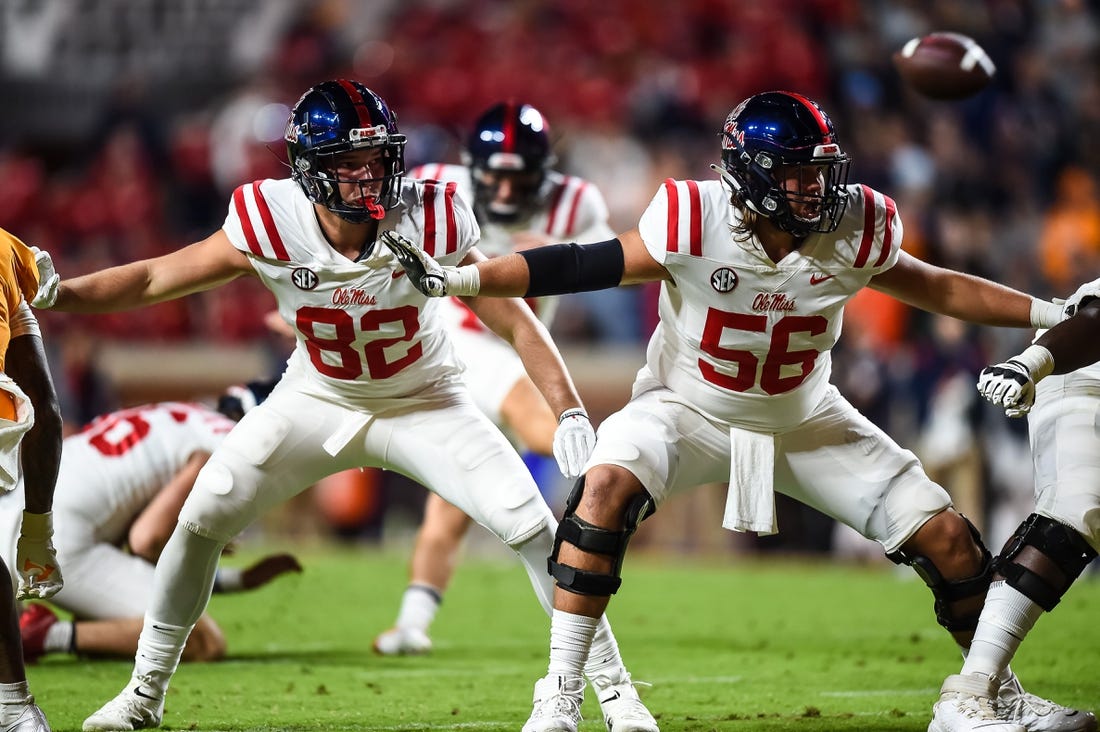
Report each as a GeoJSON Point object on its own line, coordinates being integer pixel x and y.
{"type": "Point", "coordinates": [737, 645]}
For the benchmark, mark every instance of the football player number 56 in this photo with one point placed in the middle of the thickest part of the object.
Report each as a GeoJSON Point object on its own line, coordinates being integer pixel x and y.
{"type": "Point", "coordinates": [344, 361]}
{"type": "Point", "coordinates": [779, 355]}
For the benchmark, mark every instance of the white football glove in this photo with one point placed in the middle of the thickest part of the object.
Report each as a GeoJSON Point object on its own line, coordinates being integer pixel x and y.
{"type": "Point", "coordinates": [1012, 384]}
{"type": "Point", "coordinates": [1085, 293]}
{"type": "Point", "coordinates": [35, 558]}
{"type": "Point", "coordinates": [574, 440]}
{"type": "Point", "coordinates": [48, 280]}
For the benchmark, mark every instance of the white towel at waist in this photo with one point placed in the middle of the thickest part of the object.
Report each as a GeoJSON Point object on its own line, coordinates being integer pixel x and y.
{"type": "Point", "coordinates": [750, 501]}
{"type": "Point", "coordinates": [12, 432]}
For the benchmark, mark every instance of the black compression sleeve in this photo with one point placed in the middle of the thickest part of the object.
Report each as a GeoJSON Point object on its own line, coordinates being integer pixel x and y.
{"type": "Point", "coordinates": [563, 268]}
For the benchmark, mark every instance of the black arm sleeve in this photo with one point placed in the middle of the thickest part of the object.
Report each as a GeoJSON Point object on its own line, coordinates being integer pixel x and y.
{"type": "Point", "coordinates": [563, 268]}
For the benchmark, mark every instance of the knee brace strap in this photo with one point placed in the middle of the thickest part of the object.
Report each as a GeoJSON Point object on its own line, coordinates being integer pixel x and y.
{"type": "Point", "coordinates": [948, 592]}
{"type": "Point", "coordinates": [596, 540]}
{"type": "Point", "coordinates": [1066, 551]}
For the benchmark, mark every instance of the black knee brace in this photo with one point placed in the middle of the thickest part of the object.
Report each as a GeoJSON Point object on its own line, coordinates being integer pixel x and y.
{"type": "Point", "coordinates": [1066, 555]}
{"type": "Point", "coordinates": [946, 593]}
{"type": "Point", "coordinates": [590, 538]}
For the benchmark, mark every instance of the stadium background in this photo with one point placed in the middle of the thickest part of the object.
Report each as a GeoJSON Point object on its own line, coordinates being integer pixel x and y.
{"type": "Point", "coordinates": [127, 125]}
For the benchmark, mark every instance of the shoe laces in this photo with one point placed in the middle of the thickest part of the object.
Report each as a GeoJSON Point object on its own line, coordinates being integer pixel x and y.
{"type": "Point", "coordinates": [1027, 702]}
{"type": "Point", "coordinates": [619, 681]}
{"type": "Point", "coordinates": [1016, 702]}
{"type": "Point", "coordinates": [974, 707]}
{"type": "Point", "coordinates": [562, 702]}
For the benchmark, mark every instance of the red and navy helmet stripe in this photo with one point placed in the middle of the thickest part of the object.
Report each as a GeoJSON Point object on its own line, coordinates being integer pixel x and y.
{"type": "Point", "coordinates": [822, 123]}
{"type": "Point", "coordinates": [358, 102]}
{"type": "Point", "coordinates": [511, 114]}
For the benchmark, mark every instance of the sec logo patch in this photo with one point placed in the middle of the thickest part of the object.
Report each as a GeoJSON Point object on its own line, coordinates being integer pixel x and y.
{"type": "Point", "coordinates": [723, 279]}
{"type": "Point", "coordinates": [304, 279]}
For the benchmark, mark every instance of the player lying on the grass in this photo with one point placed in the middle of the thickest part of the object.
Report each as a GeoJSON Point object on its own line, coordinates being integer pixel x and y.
{"type": "Point", "coordinates": [1056, 382]}
{"type": "Point", "coordinates": [755, 269]}
{"type": "Point", "coordinates": [30, 450]}
{"type": "Point", "coordinates": [519, 203]}
{"type": "Point", "coordinates": [122, 482]}
{"type": "Point", "coordinates": [372, 382]}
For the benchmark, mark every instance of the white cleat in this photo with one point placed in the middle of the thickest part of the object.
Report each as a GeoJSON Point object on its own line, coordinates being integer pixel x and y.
{"type": "Point", "coordinates": [557, 704]}
{"type": "Point", "coordinates": [135, 707]}
{"type": "Point", "coordinates": [31, 720]}
{"type": "Point", "coordinates": [623, 710]}
{"type": "Point", "coordinates": [1036, 713]}
{"type": "Point", "coordinates": [966, 704]}
{"type": "Point", "coordinates": [403, 642]}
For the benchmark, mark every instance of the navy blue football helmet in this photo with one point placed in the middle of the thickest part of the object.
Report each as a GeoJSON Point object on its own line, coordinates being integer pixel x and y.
{"type": "Point", "coordinates": [510, 141]}
{"type": "Point", "coordinates": [763, 138]}
{"type": "Point", "coordinates": [335, 117]}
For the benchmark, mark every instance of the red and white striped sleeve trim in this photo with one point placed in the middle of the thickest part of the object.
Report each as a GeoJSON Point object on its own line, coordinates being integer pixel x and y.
{"type": "Point", "coordinates": [257, 223]}
{"type": "Point", "coordinates": [440, 228]}
{"type": "Point", "coordinates": [561, 220]}
{"type": "Point", "coordinates": [685, 217]}
{"type": "Point", "coordinates": [877, 242]}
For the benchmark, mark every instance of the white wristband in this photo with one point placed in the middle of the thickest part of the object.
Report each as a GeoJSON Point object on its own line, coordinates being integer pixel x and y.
{"type": "Point", "coordinates": [463, 280]}
{"type": "Point", "coordinates": [37, 526]}
{"type": "Point", "coordinates": [1038, 361]}
{"type": "Point", "coordinates": [1045, 314]}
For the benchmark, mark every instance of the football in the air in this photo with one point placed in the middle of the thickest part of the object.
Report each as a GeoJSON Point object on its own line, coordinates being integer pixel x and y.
{"type": "Point", "coordinates": [944, 65]}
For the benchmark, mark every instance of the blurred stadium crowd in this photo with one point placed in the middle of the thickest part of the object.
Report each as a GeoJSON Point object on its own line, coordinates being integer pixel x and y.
{"type": "Point", "coordinates": [127, 126]}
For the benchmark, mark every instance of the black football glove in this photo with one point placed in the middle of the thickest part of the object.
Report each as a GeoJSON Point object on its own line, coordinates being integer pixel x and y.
{"type": "Point", "coordinates": [425, 273]}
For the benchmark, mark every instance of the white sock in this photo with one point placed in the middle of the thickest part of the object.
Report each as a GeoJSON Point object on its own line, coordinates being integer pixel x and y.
{"type": "Point", "coordinates": [603, 656]}
{"type": "Point", "coordinates": [1006, 619]}
{"type": "Point", "coordinates": [570, 640]}
{"type": "Point", "coordinates": [14, 698]}
{"type": "Point", "coordinates": [160, 646]}
{"type": "Point", "coordinates": [418, 607]}
{"type": "Point", "coordinates": [59, 638]}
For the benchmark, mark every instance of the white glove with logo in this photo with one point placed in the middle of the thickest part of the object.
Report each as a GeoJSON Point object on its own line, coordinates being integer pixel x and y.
{"type": "Point", "coordinates": [48, 280]}
{"type": "Point", "coordinates": [35, 558]}
{"type": "Point", "coordinates": [428, 275]}
{"type": "Point", "coordinates": [574, 440]}
{"type": "Point", "coordinates": [1012, 384]}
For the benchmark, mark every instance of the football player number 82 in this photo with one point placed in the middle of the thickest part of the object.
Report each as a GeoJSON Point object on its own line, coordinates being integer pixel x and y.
{"type": "Point", "coordinates": [772, 379]}
{"type": "Point", "coordinates": [335, 340]}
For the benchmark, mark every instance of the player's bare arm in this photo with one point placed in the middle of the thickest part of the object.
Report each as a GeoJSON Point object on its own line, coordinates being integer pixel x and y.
{"type": "Point", "coordinates": [151, 529]}
{"type": "Point", "coordinates": [200, 266]}
{"type": "Point", "coordinates": [41, 448]}
{"type": "Point", "coordinates": [1073, 343]}
{"type": "Point", "coordinates": [962, 296]}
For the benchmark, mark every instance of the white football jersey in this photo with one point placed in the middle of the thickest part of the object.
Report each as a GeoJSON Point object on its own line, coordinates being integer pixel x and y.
{"type": "Point", "coordinates": [363, 332]}
{"type": "Point", "coordinates": [112, 469]}
{"type": "Point", "coordinates": [743, 338]}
